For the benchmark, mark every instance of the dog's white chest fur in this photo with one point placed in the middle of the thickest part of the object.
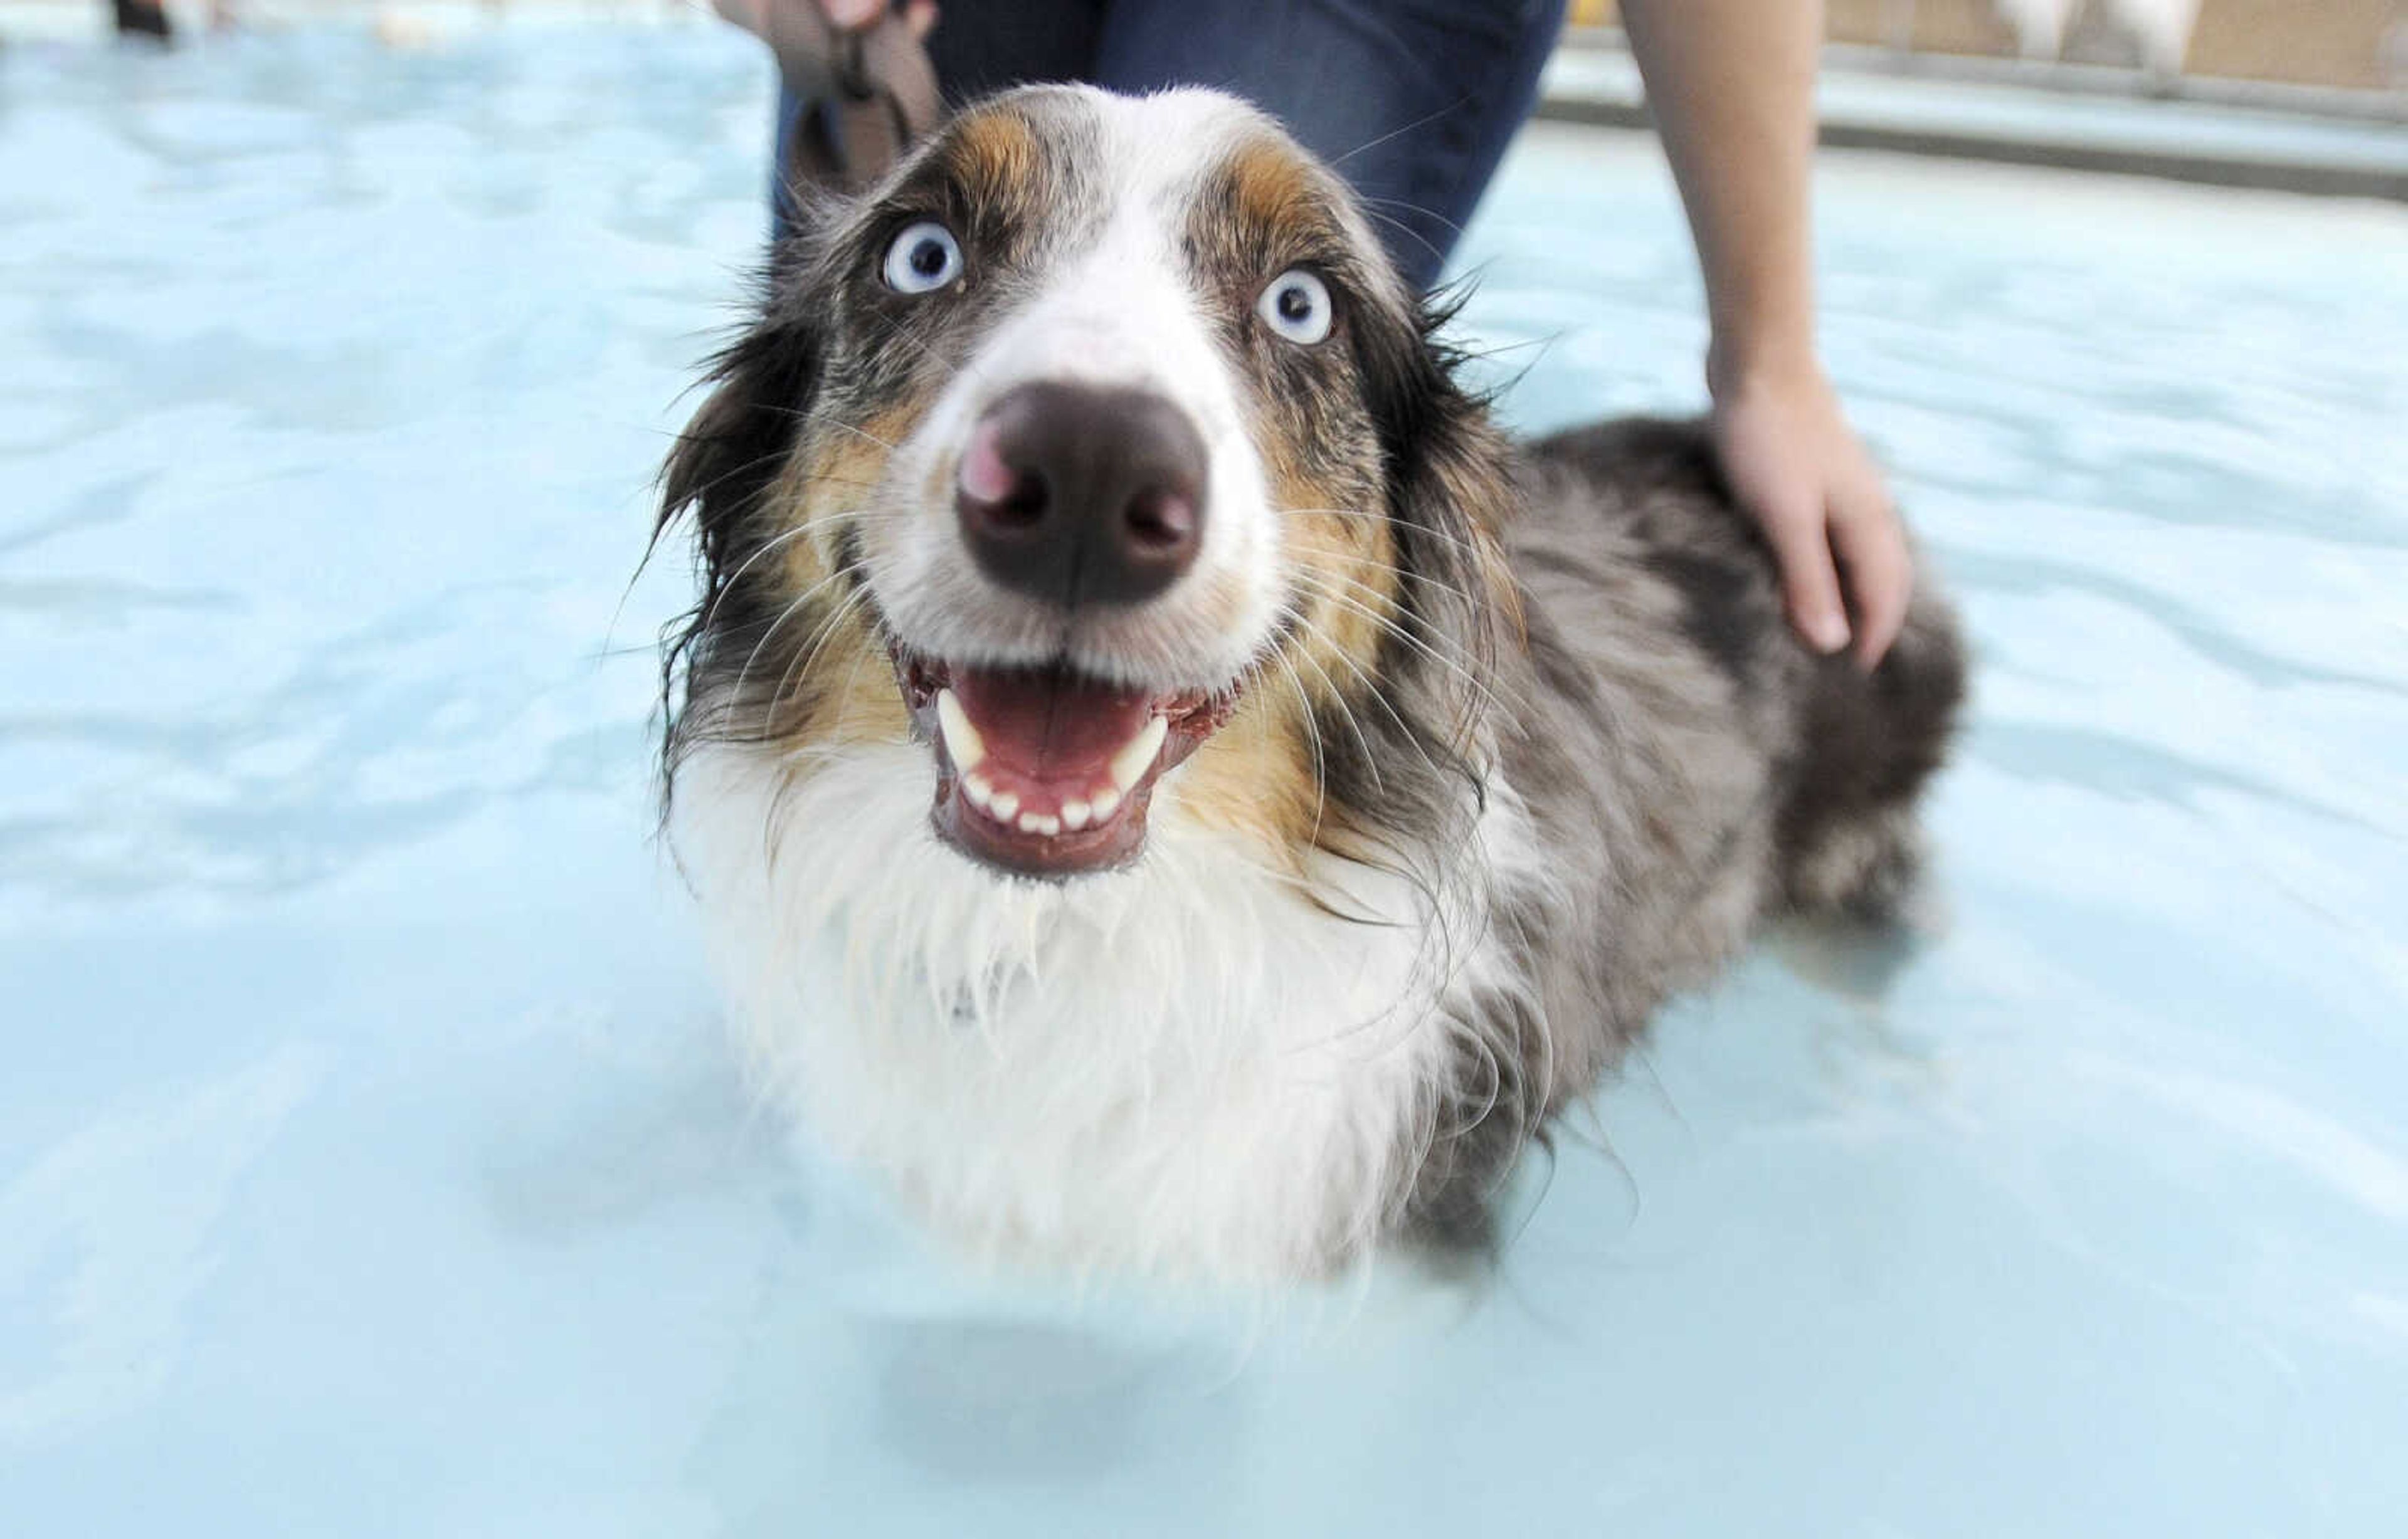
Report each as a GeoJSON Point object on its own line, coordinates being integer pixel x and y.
{"type": "Point", "coordinates": [1186, 1068]}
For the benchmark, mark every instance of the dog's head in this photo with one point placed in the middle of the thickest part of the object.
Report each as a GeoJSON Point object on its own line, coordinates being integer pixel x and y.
{"type": "Point", "coordinates": [1101, 438]}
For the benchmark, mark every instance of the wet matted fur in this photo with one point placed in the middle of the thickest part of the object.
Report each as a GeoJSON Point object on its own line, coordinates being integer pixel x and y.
{"type": "Point", "coordinates": [1470, 751]}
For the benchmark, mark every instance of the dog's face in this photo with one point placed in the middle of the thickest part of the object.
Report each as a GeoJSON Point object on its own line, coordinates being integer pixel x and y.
{"type": "Point", "coordinates": [1101, 438]}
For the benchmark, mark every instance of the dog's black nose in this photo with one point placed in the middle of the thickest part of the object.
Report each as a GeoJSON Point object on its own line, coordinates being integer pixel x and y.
{"type": "Point", "coordinates": [1082, 494]}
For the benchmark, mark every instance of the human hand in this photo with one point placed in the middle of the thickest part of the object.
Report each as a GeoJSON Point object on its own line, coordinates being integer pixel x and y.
{"type": "Point", "coordinates": [1799, 471]}
{"type": "Point", "coordinates": [761, 17]}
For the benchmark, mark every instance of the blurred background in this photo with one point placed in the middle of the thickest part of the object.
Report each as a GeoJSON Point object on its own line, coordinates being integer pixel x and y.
{"type": "Point", "coordinates": [370, 1160]}
{"type": "Point", "coordinates": [2353, 44]}
{"type": "Point", "coordinates": [2350, 44]}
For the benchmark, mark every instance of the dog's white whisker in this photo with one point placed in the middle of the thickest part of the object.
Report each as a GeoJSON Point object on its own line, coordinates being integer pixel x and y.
{"type": "Point", "coordinates": [792, 606]}
{"type": "Point", "coordinates": [801, 667]}
{"type": "Point", "coordinates": [1313, 739]}
{"type": "Point", "coordinates": [1323, 587]}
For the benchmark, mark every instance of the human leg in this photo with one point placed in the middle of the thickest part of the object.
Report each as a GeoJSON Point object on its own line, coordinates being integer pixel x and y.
{"type": "Point", "coordinates": [1414, 101]}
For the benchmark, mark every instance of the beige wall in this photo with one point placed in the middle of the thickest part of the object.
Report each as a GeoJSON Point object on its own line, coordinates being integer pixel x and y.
{"type": "Point", "coordinates": [1937, 26]}
{"type": "Point", "coordinates": [2319, 42]}
{"type": "Point", "coordinates": [2315, 42]}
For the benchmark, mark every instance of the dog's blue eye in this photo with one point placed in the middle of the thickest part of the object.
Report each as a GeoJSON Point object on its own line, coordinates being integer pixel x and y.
{"type": "Point", "coordinates": [1296, 306]}
{"type": "Point", "coordinates": [923, 259]}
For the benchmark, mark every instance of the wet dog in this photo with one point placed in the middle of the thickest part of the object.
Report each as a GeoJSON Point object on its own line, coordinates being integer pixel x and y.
{"type": "Point", "coordinates": [1171, 787]}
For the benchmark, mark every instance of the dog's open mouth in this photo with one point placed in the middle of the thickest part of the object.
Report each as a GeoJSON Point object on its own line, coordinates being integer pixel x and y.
{"type": "Point", "coordinates": [1046, 772]}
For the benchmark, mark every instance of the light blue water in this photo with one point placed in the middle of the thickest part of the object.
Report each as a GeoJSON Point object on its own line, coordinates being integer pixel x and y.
{"type": "Point", "coordinates": [369, 1163]}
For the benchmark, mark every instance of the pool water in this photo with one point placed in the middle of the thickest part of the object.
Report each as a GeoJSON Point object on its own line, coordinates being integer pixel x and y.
{"type": "Point", "coordinates": [370, 1162]}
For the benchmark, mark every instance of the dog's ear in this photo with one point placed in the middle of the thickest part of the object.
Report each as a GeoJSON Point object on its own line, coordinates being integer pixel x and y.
{"type": "Point", "coordinates": [723, 467]}
{"type": "Point", "coordinates": [1450, 490]}
{"type": "Point", "coordinates": [761, 390]}
{"type": "Point", "coordinates": [1403, 781]}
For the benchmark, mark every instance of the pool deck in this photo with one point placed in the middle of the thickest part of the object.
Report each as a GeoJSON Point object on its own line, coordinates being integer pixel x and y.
{"type": "Point", "coordinates": [2350, 152]}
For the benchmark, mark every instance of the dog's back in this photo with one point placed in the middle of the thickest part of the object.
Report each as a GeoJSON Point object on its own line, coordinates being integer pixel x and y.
{"type": "Point", "coordinates": [1690, 767]}
{"type": "Point", "coordinates": [1625, 516]}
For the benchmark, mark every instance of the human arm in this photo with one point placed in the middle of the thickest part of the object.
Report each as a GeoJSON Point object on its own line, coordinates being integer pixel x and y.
{"type": "Point", "coordinates": [1731, 85]}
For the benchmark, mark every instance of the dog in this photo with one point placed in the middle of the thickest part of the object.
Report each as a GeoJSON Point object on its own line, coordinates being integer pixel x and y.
{"type": "Point", "coordinates": [1172, 787]}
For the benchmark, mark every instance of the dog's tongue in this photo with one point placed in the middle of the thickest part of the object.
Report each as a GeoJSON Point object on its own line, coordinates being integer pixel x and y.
{"type": "Point", "coordinates": [1049, 726]}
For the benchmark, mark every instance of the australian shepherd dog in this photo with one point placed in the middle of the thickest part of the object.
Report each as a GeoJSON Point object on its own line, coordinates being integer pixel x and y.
{"type": "Point", "coordinates": [1172, 787]}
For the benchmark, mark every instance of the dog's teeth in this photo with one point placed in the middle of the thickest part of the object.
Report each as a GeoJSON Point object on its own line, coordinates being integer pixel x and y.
{"type": "Point", "coordinates": [1129, 765]}
{"type": "Point", "coordinates": [978, 790]}
{"type": "Point", "coordinates": [1037, 822]}
{"type": "Point", "coordinates": [1003, 806]}
{"type": "Point", "coordinates": [962, 740]}
{"type": "Point", "coordinates": [1075, 815]}
{"type": "Point", "coordinates": [1108, 801]}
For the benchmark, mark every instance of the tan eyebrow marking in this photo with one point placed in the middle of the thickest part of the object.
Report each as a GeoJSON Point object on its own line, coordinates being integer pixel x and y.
{"type": "Point", "coordinates": [994, 153]}
{"type": "Point", "coordinates": [1273, 190]}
